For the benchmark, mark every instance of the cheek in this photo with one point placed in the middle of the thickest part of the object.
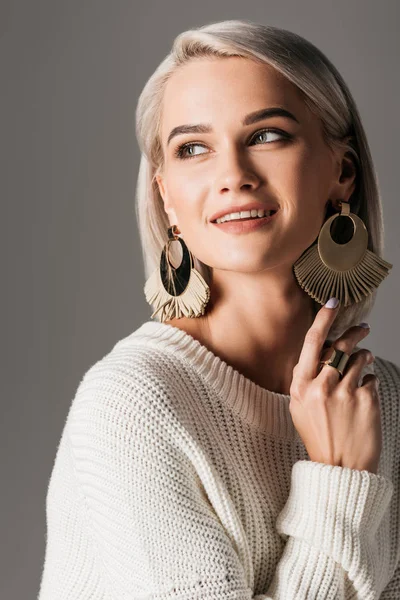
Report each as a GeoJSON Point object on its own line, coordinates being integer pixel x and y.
{"type": "Point", "coordinates": [187, 172]}
{"type": "Point", "coordinates": [303, 181]}
{"type": "Point", "coordinates": [188, 192]}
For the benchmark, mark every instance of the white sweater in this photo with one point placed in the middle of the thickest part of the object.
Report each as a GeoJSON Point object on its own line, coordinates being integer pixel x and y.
{"type": "Point", "coordinates": [176, 477]}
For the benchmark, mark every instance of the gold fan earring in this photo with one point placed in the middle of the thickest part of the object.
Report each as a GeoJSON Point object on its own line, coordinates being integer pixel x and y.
{"type": "Point", "coordinates": [344, 269]}
{"type": "Point", "coordinates": [177, 292]}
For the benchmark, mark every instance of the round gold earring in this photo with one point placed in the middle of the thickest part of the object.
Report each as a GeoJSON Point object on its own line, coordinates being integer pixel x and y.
{"type": "Point", "coordinates": [345, 269]}
{"type": "Point", "coordinates": [180, 291]}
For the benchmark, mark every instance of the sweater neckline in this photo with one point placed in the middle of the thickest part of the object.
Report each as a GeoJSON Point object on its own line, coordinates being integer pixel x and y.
{"type": "Point", "coordinates": [261, 408]}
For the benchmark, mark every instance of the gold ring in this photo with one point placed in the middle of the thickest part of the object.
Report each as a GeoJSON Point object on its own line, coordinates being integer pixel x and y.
{"type": "Point", "coordinates": [338, 360]}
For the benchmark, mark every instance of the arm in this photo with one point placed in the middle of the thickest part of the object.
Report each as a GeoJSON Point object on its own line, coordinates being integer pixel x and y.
{"type": "Point", "coordinates": [152, 531]}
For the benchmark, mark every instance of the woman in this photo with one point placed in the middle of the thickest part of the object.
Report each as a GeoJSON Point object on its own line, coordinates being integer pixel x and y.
{"type": "Point", "coordinates": [221, 451]}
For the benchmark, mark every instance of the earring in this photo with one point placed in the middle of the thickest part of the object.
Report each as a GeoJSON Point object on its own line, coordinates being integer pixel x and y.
{"type": "Point", "coordinates": [177, 292]}
{"type": "Point", "coordinates": [346, 270]}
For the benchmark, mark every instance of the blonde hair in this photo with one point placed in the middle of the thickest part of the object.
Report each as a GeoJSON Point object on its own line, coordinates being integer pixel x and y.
{"type": "Point", "coordinates": [325, 93]}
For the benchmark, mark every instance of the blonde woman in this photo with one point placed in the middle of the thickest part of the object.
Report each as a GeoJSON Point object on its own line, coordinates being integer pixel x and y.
{"type": "Point", "coordinates": [237, 445]}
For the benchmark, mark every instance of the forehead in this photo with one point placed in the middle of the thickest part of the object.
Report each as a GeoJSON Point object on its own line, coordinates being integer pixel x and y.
{"type": "Point", "coordinates": [217, 90]}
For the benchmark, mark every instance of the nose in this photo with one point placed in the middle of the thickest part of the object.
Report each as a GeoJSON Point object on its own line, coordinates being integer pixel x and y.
{"type": "Point", "coordinates": [235, 172]}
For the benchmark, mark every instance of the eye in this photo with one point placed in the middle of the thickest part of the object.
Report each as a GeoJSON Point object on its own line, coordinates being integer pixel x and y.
{"type": "Point", "coordinates": [273, 131]}
{"type": "Point", "coordinates": [180, 151]}
{"type": "Point", "coordinates": [183, 148]}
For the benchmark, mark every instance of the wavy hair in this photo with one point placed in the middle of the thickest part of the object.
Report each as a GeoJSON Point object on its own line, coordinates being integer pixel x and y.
{"type": "Point", "coordinates": [325, 93]}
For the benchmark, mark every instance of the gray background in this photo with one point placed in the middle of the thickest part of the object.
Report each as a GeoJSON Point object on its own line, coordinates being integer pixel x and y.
{"type": "Point", "coordinates": [72, 283]}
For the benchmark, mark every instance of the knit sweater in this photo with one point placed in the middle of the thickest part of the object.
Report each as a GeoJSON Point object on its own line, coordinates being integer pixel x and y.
{"type": "Point", "coordinates": [176, 477]}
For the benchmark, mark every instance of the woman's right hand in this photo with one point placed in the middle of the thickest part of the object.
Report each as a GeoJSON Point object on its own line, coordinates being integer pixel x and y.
{"type": "Point", "coordinates": [338, 421]}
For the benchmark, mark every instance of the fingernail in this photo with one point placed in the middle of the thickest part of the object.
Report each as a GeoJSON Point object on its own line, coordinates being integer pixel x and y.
{"type": "Point", "coordinates": [365, 325]}
{"type": "Point", "coordinates": [332, 303]}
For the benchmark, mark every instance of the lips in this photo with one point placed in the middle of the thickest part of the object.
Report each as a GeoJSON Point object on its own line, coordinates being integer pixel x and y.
{"type": "Point", "coordinates": [245, 207]}
{"type": "Point", "coordinates": [242, 226]}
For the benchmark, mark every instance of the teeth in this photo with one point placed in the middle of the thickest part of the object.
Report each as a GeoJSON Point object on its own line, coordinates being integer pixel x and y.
{"type": "Point", "coordinates": [245, 215]}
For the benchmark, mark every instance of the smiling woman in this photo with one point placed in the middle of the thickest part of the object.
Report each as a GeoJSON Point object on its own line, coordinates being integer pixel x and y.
{"type": "Point", "coordinates": [212, 454]}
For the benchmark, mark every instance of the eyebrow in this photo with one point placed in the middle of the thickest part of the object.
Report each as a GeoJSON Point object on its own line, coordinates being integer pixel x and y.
{"type": "Point", "coordinates": [254, 117]}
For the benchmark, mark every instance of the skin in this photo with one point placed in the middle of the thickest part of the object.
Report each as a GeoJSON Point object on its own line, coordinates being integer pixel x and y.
{"type": "Point", "coordinates": [257, 315]}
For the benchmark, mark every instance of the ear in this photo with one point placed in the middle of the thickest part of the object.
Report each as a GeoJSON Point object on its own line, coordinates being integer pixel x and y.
{"type": "Point", "coordinates": [167, 204]}
{"type": "Point", "coordinates": [344, 179]}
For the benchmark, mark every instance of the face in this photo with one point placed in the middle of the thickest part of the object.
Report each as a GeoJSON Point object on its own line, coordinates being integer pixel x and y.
{"type": "Point", "coordinates": [278, 160]}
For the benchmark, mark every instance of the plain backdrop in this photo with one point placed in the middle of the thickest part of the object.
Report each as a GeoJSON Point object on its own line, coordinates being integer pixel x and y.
{"type": "Point", "coordinates": [72, 283]}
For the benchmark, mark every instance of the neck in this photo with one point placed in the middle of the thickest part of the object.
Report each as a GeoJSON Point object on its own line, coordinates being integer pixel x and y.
{"type": "Point", "coordinates": [256, 323]}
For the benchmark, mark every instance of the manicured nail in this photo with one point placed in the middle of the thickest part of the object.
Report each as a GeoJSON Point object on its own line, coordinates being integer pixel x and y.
{"type": "Point", "coordinates": [332, 303]}
{"type": "Point", "coordinates": [365, 325]}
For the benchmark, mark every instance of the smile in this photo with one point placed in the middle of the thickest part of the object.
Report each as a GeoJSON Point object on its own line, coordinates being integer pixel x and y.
{"type": "Point", "coordinates": [246, 214]}
{"type": "Point", "coordinates": [235, 223]}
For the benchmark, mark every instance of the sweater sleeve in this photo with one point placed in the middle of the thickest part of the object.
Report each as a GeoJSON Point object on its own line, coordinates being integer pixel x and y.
{"type": "Point", "coordinates": [150, 523]}
{"type": "Point", "coordinates": [147, 529]}
{"type": "Point", "coordinates": [330, 522]}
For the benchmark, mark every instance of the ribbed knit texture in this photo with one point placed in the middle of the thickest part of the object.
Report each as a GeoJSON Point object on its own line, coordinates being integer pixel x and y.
{"type": "Point", "coordinates": [176, 477]}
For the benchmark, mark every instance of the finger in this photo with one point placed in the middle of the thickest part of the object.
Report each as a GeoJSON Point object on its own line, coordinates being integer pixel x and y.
{"type": "Point", "coordinates": [370, 382]}
{"type": "Point", "coordinates": [314, 340]}
{"type": "Point", "coordinates": [328, 374]}
{"type": "Point", "coordinates": [346, 342]}
{"type": "Point", "coordinates": [331, 374]}
{"type": "Point", "coordinates": [350, 338]}
{"type": "Point", "coordinates": [353, 370]}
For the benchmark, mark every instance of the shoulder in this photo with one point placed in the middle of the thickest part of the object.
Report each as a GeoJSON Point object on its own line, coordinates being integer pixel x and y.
{"type": "Point", "coordinates": [131, 386]}
{"type": "Point", "coordinates": [389, 375]}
